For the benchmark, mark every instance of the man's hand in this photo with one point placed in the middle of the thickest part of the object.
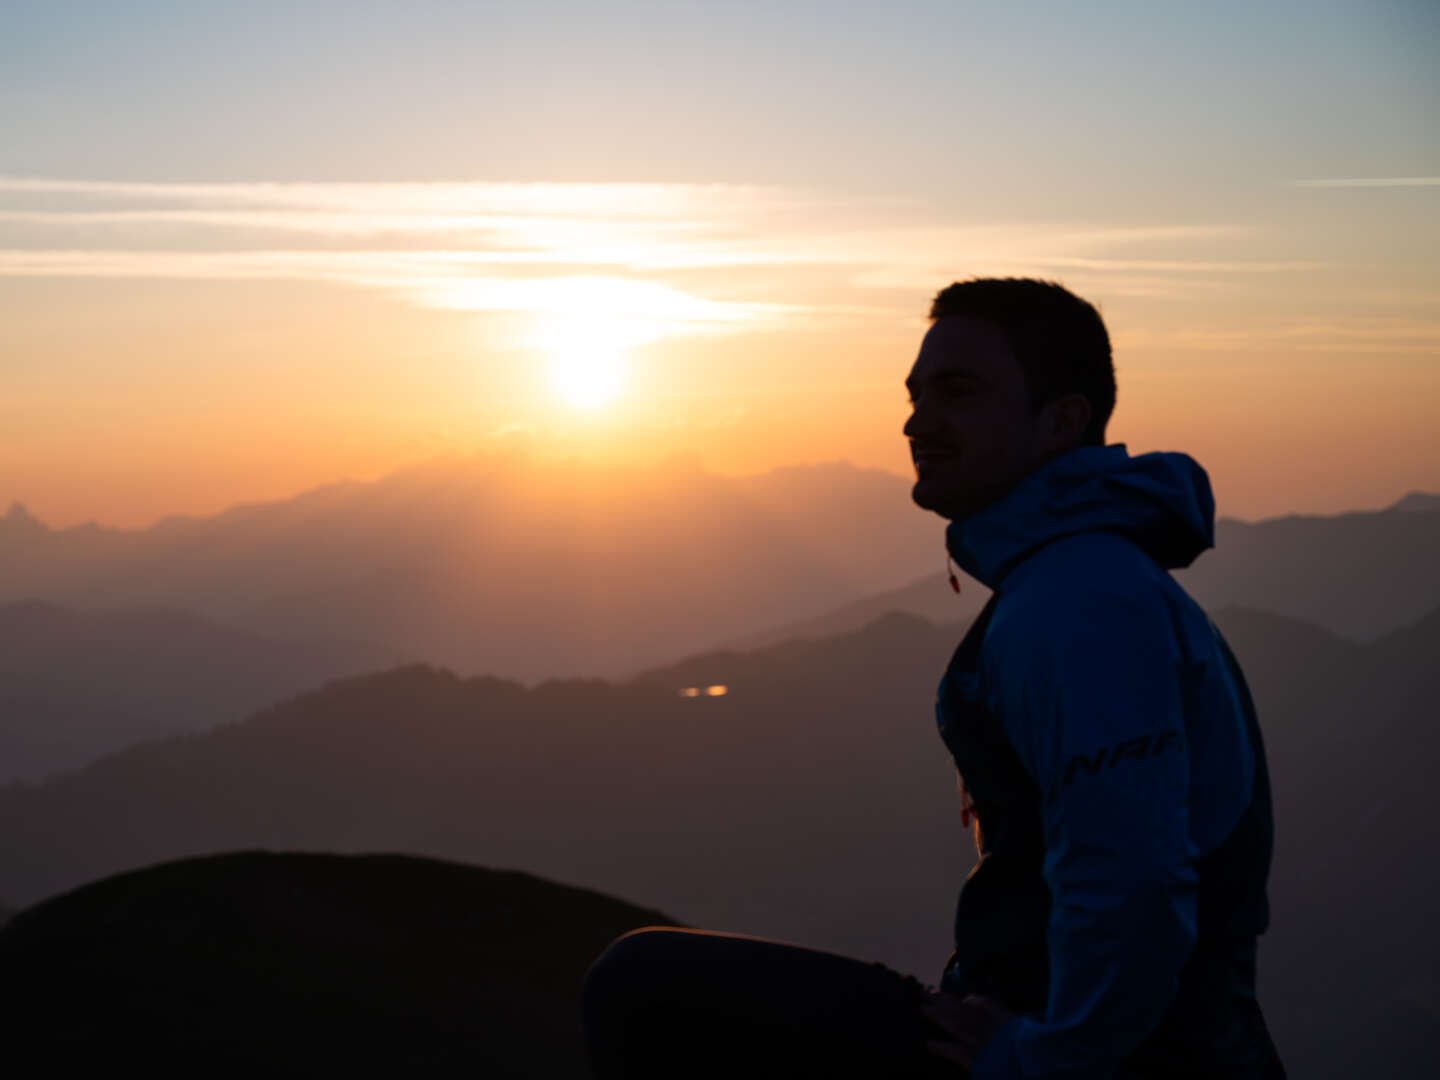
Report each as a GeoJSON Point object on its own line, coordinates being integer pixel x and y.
{"type": "Point", "coordinates": [968, 1024]}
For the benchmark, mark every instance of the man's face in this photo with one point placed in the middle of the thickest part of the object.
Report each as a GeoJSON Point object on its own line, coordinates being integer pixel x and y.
{"type": "Point", "coordinates": [973, 435]}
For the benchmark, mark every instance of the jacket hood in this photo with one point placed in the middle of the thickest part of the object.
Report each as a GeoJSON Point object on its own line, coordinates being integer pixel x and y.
{"type": "Point", "coordinates": [1160, 502]}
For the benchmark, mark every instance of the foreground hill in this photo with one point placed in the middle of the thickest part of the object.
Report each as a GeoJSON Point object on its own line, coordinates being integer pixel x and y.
{"type": "Point", "coordinates": [307, 963]}
{"type": "Point", "coordinates": [78, 684]}
{"type": "Point", "coordinates": [1360, 575]}
{"type": "Point", "coordinates": [810, 801]}
{"type": "Point", "coordinates": [499, 565]}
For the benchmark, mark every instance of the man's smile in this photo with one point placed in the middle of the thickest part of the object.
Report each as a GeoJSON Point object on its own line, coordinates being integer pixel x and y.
{"type": "Point", "coordinates": [931, 455]}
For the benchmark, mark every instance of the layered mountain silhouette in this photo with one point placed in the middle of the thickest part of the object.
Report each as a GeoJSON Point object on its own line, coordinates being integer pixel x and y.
{"type": "Point", "coordinates": [291, 964]}
{"type": "Point", "coordinates": [498, 565]}
{"type": "Point", "coordinates": [811, 801]}
{"type": "Point", "coordinates": [1360, 575]}
{"type": "Point", "coordinates": [1418, 501]}
{"type": "Point", "coordinates": [77, 684]}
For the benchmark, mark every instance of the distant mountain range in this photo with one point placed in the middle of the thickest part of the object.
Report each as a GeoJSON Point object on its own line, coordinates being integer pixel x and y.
{"type": "Point", "coordinates": [77, 684]}
{"type": "Point", "coordinates": [319, 964]}
{"type": "Point", "coordinates": [810, 800]}
{"type": "Point", "coordinates": [1417, 501]}
{"type": "Point", "coordinates": [1360, 575]}
{"type": "Point", "coordinates": [499, 566]}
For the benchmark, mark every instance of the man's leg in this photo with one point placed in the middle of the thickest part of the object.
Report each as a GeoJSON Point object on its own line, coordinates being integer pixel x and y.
{"type": "Point", "coordinates": [687, 1003]}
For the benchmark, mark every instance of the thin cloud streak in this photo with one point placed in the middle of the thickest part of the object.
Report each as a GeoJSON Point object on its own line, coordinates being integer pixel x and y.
{"type": "Point", "coordinates": [328, 222]}
{"type": "Point", "coordinates": [1181, 266]}
{"type": "Point", "coordinates": [1398, 337]}
{"type": "Point", "coordinates": [605, 201]}
{"type": "Point", "coordinates": [1372, 182]}
{"type": "Point", "coordinates": [428, 279]}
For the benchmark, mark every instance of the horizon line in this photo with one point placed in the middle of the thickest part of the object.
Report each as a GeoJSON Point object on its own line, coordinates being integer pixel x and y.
{"type": "Point", "coordinates": [17, 507]}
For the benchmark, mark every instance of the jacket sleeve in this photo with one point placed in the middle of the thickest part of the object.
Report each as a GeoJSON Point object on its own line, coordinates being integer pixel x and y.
{"type": "Point", "coordinates": [1093, 705]}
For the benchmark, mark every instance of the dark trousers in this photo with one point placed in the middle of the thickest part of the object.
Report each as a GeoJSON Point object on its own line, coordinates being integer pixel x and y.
{"type": "Point", "coordinates": [689, 1003]}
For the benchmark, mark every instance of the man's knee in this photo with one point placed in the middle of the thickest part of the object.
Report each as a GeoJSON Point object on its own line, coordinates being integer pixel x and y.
{"type": "Point", "coordinates": [629, 970]}
{"type": "Point", "coordinates": [622, 1001]}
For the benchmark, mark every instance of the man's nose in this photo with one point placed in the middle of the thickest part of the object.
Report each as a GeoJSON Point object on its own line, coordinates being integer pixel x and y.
{"type": "Point", "coordinates": [914, 425]}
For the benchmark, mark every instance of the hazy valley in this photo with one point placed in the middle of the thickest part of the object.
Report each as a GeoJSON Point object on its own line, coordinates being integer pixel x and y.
{"type": "Point", "coordinates": [495, 566]}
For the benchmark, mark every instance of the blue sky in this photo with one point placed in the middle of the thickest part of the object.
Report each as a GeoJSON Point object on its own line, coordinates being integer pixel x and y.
{"type": "Point", "coordinates": [929, 98]}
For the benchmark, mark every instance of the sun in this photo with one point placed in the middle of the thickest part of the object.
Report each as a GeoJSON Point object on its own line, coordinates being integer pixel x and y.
{"type": "Point", "coordinates": [587, 375]}
{"type": "Point", "coordinates": [588, 356]}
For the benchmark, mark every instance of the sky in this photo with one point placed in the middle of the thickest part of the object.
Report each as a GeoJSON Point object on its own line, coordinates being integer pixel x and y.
{"type": "Point", "coordinates": [249, 249]}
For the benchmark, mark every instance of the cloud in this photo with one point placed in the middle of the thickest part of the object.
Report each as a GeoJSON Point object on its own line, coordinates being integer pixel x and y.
{"type": "Point", "coordinates": [1363, 335]}
{"type": "Point", "coordinates": [537, 249]}
{"type": "Point", "coordinates": [443, 280]}
{"type": "Point", "coordinates": [632, 253]}
{"type": "Point", "coordinates": [607, 201]}
{"type": "Point", "coordinates": [1371, 182]}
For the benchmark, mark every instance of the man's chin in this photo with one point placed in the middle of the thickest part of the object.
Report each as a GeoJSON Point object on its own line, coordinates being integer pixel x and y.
{"type": "Point", "coordinates": [950, 502]}
{"type": "Point", "coordinates": [928, 497]}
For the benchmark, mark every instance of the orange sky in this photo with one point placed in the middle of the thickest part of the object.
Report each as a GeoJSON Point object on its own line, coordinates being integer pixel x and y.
{"type": "Point", "coordinates": [188, 397]}
{"type": "Point", "coordinates": [216, 290]}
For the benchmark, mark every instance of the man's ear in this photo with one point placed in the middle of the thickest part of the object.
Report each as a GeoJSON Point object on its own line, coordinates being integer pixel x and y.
{"type": "Point", "coordinates": [1068, 421]}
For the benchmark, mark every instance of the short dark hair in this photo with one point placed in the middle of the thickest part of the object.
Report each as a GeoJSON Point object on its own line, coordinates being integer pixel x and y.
{"type": "Point", "coordinates": [1059, 339]}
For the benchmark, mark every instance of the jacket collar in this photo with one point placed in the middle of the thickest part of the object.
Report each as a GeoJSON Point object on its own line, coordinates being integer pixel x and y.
{"type": "Point", "coordinates": [1161, 502]}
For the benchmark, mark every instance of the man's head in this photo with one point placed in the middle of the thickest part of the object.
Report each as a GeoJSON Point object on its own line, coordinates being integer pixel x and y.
{"type": "Point", "coordinates": [1013, 372]}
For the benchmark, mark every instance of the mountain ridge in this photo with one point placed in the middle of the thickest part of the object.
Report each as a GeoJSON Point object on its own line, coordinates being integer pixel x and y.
{"type": "Point", "coordinates": [1399, 588]}
{"type": "Point", "coordinates": [492, 565]}
{"type": "Point", "coordinates": [18, 514]}
{"type": "Point", "coordinates": [501, 564]}
{"type": "Point", "coordinates": [76, 683]}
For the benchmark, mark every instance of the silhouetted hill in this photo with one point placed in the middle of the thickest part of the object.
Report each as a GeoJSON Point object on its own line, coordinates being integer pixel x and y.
{"type": "Point", "coordinates": [1418, 501]}
{"type": "Point", "coordinates": [811, 801]}
{"type": "Point", "coordinates": [929, 598]}
{"type": "Point", "coordinates": [20, 528]}
{"type": "Point", "coordinates": [499, 565]}
{"type": "Point", "coordinates": [290, 964]}
{"type": "Point", "coordinates": [78, 684]}
{"type": "Point", "coordinates": [1359, 575]}
{"type": "Point", "coordinates": [894, 638]}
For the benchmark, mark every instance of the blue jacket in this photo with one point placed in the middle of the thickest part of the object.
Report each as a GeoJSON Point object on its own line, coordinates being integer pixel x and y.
{"type": "Point", "coordinates": [1104, 733]}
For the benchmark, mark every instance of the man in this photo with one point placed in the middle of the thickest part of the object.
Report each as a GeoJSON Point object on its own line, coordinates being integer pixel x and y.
{"type": "Point", "coordinates": [1106, 744]}
{"type": "Point", "coordinates": [1102, 731]}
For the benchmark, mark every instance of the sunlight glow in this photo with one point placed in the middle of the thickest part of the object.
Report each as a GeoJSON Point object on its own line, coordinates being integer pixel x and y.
{"type": "Point", "coordinates": [587, 350]}
{"type": "Point", "coordinates": [587, 375]}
